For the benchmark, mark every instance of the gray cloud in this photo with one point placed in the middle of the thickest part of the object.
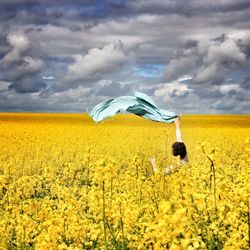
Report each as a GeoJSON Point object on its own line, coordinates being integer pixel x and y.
{"type": "Point", "coordinates": [97, 64]}
{"type": "Point", "coordinates": [27, 66]}
{"type": "Point", "coordinates": [208, 93]}
{"type": "Point", "coordinates": [19, 42]}
{"type": "Point", "coordinates": [115, 89]}
{"type": "Point", "coordinates": [245, 84]}
{"type": "Point", "coordinates": [18, 68]}
{"type": "Point", "coordinates": [219, 60]}
{"type": "Point", "coordinates": [207, 63]}
{"type": "Point", "coordinates": [30, 85]}
{"type": "Point", "coordinates": [224, 104]}
{"type": "Point", "coordinates": [180, 66]}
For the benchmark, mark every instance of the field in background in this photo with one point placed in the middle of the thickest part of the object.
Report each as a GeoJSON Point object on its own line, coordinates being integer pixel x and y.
{"type": "Point", "coordinates": [67, 183]}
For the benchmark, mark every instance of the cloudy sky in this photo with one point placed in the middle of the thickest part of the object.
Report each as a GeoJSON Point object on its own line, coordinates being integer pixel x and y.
{"type": "Point", "coordinates": [190, 56]}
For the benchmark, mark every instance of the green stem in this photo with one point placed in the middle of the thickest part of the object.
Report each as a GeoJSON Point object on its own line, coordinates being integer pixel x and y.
{"type": "Point", "coordinates": [212, 169]}
{"type": "Point", "coordinates": [104, 215]}
{"type": "Point", "coordinates": [122, 227]}
{"type": "Point", "coordinates": [248, 215]}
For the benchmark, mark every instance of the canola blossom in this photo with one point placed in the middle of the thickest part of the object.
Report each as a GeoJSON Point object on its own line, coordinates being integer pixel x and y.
{"type": "Point", "coordinates": [68, 183]}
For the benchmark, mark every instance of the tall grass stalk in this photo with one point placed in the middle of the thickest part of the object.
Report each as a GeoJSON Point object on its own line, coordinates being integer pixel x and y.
{"type": "Point", "coordinates": [104, 214]}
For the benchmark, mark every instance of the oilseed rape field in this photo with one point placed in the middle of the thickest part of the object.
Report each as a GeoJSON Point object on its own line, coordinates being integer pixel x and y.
{"type": "Point", "coordinates": [68, 183]}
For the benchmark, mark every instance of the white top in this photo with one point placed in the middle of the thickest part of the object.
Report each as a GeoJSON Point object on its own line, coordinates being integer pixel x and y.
{"type": "Point", "coordinates": [179, 139]}
{"type": "Point", "coordinates": [168, 170]}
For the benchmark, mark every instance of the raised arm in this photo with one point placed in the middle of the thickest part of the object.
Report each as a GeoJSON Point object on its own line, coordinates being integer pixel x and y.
{"type": "Point", "coordinates": [178, 137]}
{"type": "Point", "coordinates": [171, 169]}
{"type": "Point", "coordinates": [178, 130]}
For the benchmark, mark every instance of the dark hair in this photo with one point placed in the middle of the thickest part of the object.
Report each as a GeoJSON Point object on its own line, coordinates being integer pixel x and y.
{"type": "Point", "coordinates": [179, 148]}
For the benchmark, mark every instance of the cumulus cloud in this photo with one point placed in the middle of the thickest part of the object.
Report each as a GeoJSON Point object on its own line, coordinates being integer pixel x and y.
{"type": "Point", "coordinates": [19, 68]}
{"type": "Point", "coordinates": [180, 66]}
{"type": "Point", "coordinates": [207, 63]}
{"type": "Point", "coordinates": [172, 90]}
{"type": "Point", "coordinates": [25, 67]}
{"type": "Point", "coordinates": [227, 88]}
{"type": "Point", "coordinates": [96, 65]}
{"type": "Point", "coordinates": [97, 62]}
{"type": "Point", "coordinates": [220, 57]}
{"type": "Point", "coordinates": [19, 42]}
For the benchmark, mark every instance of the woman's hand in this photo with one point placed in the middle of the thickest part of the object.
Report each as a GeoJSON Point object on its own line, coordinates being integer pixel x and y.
{"type": "Point", "coordinates": [177, 122]}
{"type": "Point", "coordinates": [152, 160]}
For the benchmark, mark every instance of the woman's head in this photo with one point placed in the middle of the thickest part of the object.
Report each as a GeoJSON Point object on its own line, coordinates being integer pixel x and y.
{"type": "Point", "coordinates": [179, 148]}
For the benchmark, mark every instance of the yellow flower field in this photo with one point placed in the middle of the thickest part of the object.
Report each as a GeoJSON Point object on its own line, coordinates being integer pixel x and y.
{"type": "Point", "coordinates": [67, 183]}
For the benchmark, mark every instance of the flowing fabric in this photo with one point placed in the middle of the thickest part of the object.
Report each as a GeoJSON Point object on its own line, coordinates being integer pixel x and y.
{"type": "Point", "coordinates": [140, 104]}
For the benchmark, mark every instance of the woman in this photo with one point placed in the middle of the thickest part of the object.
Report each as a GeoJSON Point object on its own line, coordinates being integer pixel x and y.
{"type": "Point", "coordinates": [178, 148]}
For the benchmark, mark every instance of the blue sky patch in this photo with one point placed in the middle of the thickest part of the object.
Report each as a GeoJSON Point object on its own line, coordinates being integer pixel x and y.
{"type": "Point", "coordinates": [149, 70]}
